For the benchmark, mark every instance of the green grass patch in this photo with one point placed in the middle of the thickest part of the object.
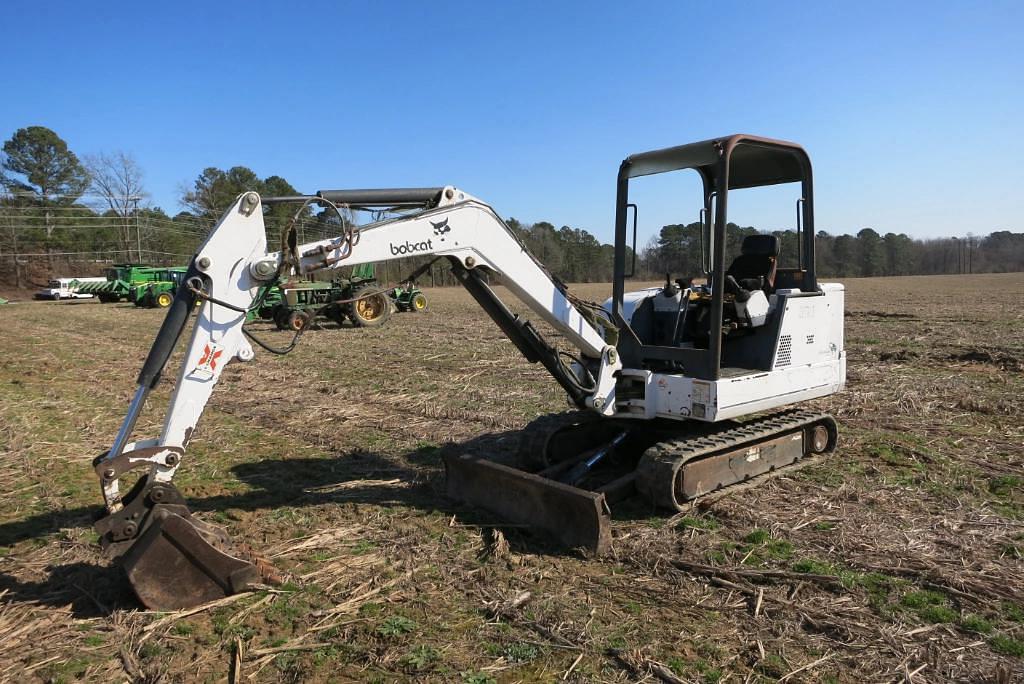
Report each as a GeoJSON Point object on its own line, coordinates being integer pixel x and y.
{"type": "Point", "coordinates": [1013, 612]}
{"type": "Point", "coordinates": [634, 607]}
{"type": "Point", "coordinates": [73, 669]}
{"type": "Point", "coordinates": [521, 652]}
{"type": "Point", "coordinates": [876, 585]}
{"type": "Point", "coordinates": [363, 547]}
{"type": "Point", "coordinates": [703, 522]}
{"type": "Point", "coordinates": [773, 666]}
{"type": "Point", "coordinates": [929, 606]}
{"type": "Point", "coordinates": [938, 614]}
{"type": "Point", "coordinates": [150, 650]}
{"type": "Point", "coordinates": [396, 626]}
{"type": "Point", "coordinates": [420, 657]}
{"type": "Point", "coordinates": [618, 642]}
{"type": "Point", "coordinates": [762, 547]}
{"type": "Point", "coordinates": [811, 566]}
{"type": "Point", "coordinates": [1005, 484]}
{"type": "Point", "coordinates": [370, 609]}
{"type": "Point", "coordinates": [922, 599]}
{"type": "Point", "coordinates": [722, 553]}
{"type": "Point", "coordinates": [757, 536]}
{"type": "Point", "coordinates": [975, 623]}
{"type": "Point", "coordinates": [1000, 643]}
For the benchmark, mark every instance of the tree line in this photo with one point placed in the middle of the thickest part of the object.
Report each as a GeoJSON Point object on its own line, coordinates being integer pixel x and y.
{"type": "Point", "coordinates": [678, 249]}
{"type": "Point", "coordinates": [62, 215]}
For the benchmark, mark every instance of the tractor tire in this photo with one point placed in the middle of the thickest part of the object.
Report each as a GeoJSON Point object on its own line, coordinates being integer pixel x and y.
{"type": "Point", "coordinates": [164, 299]}
{"type": "Point", "coordinates": [372, 308]}
{"type": "Point", "coordinates": [418, 303]}
{"type": "Point", "coordinates": [298, 320]}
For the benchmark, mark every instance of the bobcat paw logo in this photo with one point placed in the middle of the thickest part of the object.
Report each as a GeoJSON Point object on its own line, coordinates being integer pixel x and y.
{"type": "Point", "coordinates": [441, 228]}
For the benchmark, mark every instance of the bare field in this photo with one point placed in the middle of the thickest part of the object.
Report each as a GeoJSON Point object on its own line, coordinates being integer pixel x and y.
{"type": "Point", "coordinates": [899, 558]}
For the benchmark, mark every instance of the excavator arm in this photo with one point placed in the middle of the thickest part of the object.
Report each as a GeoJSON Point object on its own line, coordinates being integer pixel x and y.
{"type": "Point", "coordinates": [174, 560]}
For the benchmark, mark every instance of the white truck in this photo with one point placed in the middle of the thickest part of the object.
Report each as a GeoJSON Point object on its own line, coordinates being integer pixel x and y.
{"type": "Point", "coordinates": [66, 288]}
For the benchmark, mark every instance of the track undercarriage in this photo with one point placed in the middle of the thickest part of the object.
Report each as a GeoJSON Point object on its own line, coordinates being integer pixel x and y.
{"type": "Point", "coordinates": [575, 467]}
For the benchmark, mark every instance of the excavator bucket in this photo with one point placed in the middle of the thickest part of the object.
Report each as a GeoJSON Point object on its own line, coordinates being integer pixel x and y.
{"type": "Point", "coordinates": [173, 560]}
{"type": "Point", "coordinates": [575, 517]}
{"type": "Point", "coordinates": [172, 566]}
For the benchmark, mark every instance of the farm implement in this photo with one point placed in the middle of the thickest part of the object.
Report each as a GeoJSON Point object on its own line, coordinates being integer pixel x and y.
{"type": "Point", "coordinates": [121, 278]}
{"type": "Point", "coordinates": [679, 391]}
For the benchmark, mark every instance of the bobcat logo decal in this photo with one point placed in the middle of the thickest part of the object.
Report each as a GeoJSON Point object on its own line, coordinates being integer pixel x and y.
{"type": "Point", "coordinates": [208, 363]}
{"type": "Point", "coordinates": [441, 228]}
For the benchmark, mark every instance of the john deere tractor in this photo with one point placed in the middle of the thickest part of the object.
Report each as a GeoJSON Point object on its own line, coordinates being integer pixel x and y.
{"type": "Point", "coordinates": [158, 292]}
{"type": "Point", "coordinates": [355, 298]}
{"type": "Point", "coordinates": [409, 298]}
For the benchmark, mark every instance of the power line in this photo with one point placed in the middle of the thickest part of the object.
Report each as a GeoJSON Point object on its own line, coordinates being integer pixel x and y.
{"type": "Point", "coordinates": [99, 251]}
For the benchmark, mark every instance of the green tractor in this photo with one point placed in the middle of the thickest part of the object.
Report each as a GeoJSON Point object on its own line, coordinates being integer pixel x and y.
{"type": "Point", "coordinates": [159, 292]}
{"type": "Point", "coordinates": [355, 298]}
{"type": "Point", "coordinates": [409, 298]}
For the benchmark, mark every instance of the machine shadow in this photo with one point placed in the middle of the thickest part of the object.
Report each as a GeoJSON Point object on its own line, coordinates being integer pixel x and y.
{"type": "Point", "coordinates": [92, 589]}
{"type": "Point", "coordinates": [364, 477]}
{"type": "Point", "coordinates": [86, 589]}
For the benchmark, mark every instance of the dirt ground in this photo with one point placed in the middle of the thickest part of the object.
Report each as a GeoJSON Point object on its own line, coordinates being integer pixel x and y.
{"type": "Point", "coordinates": [898, 558]}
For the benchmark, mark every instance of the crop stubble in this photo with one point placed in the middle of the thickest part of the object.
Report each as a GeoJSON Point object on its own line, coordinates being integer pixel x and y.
{"type": "Point", "coordinates": [898, 558]}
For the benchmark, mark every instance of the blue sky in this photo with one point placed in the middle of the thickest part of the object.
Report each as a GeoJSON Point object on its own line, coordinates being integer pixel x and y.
{"type": "Point", "coordinates": [911, 112]}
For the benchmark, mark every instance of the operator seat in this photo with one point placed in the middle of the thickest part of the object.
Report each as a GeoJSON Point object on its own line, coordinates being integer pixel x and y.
{"type": "Point", "coordinates": [754, 268]}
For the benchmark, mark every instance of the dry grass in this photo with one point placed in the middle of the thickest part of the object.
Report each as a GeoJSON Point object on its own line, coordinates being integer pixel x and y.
{"type": "Point", "coordinates": [898, 559]}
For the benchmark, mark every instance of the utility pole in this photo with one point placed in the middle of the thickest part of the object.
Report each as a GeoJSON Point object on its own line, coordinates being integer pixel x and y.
{"type": "Point", "coordinates": [138, 229]}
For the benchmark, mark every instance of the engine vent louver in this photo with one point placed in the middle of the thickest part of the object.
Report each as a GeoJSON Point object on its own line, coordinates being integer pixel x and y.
{"type": "Point", "coordinates": [785, 354]}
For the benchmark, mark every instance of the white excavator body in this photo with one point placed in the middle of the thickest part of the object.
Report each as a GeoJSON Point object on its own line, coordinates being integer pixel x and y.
{"type": "Point", "coordinates": [645, 365]}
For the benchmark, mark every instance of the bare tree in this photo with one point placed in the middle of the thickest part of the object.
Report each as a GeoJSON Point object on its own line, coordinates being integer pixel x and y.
{"type": "Point", "coordinates": [117, 179]}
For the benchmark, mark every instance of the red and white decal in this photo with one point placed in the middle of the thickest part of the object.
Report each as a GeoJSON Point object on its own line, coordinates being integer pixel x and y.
{"type": "Point", "coordinates": [208, 362]}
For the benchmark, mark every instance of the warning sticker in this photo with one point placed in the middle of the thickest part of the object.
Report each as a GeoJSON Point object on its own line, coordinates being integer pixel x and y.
{"type": "Point", "coordinates": [208, 362]}
{"type": "Point", "coordinates": [701, 392]}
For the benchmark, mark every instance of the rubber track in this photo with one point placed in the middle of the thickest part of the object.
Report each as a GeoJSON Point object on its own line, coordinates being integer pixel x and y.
{"type": "Point", "coordinates": [656, 471]}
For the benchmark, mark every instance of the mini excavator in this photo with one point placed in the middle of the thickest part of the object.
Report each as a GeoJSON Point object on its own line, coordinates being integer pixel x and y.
{"type": "Point", "coordinates": [678, 391]}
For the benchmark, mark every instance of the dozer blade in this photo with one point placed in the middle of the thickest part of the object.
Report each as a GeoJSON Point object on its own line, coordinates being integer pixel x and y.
{"type": "Point", "coordinates": [172, 566]}
{"type": "Point", "coordinates": [575, 517]}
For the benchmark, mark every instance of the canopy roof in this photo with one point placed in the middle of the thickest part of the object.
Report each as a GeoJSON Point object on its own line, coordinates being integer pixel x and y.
{"type": "Point", "coordinates": [753, 161]}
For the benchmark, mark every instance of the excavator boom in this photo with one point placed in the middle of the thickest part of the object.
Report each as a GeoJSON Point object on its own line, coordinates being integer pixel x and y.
{"type": "Point", "coordinates": [172, 559]}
